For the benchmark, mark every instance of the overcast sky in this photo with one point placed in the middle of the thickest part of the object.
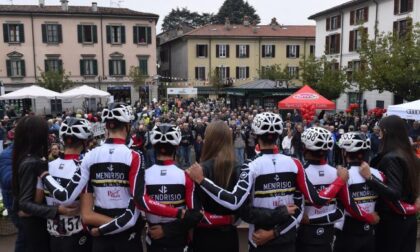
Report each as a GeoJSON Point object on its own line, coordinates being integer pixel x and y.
{"type": "Point", "coordinates": [288, 12]}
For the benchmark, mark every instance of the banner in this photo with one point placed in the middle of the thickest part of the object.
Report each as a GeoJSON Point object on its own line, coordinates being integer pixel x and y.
{"type": "Point", "coordinates": [182, 91]}
{"type": "Point", "coordinates": [98, 129]}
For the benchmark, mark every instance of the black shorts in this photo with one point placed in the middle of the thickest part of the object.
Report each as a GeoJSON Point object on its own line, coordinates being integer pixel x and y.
{"type": "Point", "coordinates": [127, 241]}
{"type": "Point", "coordinates": [81, 242]}
{"type": "Point", "coordinates": [221, 239]}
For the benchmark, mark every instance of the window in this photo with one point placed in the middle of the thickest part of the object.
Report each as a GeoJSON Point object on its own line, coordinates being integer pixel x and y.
{"type": "Point", "coordinates": [13, 33]}
{"type": "Point", "coordinates": [142, 35]}
{"type": "Point", "coordinates": [201, 51]}
{"type": "Point", "coordinates": [115, 34]}
{"type": "Point", "coordinates": [87, 34]}
{"type": "Point", "coordinates": [15, 68]}
{"type": "Point", "coordinates": [355, 41]}
{"type": "Point", "coordinates": [333, 23]}
{"type": "Point", "coordinates": [403, 6]}
{"type": "Point", "coordinates": [51, 33]}
{"type": "Point", "coordinates": [242, 51]}
{"type": "Point", "coordinates": [222, 51]}
{"type": "Point", "coordinates": [380, 104]}
{"type": "Point", "coordinates": [53, 65]}
{"type": "Point", "coordinates": [268, 51]}
{"type": "Point", "coordinates": [88, 67]}
{"type": "Point", "coordinates": [359, 16]}
{"type": "Point", "coordinates": [292, 51]}
{"type": "Point", "coordinates": [200, 73]}
{"type": "Point", "coordinates": [293, 72]}
{"type": "Point", "coordinates": [223, 73]}
{"type": "Point", "coordinates": [117, 67]}
{"type": "Point", "coordinates": [354, 97]}
{"type": "Point", "coordinates": [242, 73]}
{"type": "Point", "coordinates": [352, 67]}
{"type": "Point", "coordinates": [143, 66]}
{"type": "Point", "coordinates": [312, 50]}
{"type": "Point", "coordinates": [401, 27]}
{"type": "Point", "coordinates": [332, 44]}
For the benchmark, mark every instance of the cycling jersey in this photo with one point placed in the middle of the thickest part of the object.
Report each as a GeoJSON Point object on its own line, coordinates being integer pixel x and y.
{"type": "Point", "coordinates": [275, 179]}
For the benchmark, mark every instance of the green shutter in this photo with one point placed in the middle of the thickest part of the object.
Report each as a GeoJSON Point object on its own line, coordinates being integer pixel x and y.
{"type": "Point", "coordinates": [95, 67]}
{"type": "Point", "coordinates": [122, 67]}
{"type": "Point", "coordinates": [44, 33]}
{"type": "Point", "coordinates": [22, 66]}
{"type": "Point", "coordinates": [9, 68]}
{"type": "Point", "coordinates": [135, 35]}
{"type": "Point", "coordinates": [60, 65]}
{"type": "Point", "coordinates": [46, 66]}
{"type": "Point", "coordinates": [123, 34]}
{"type": "Point", "coordinates": [274, 51]}
{"type": "Point", "coordinates": [82, 67]}
{"type": "Point", "coordinates": [6, 33]}
{"type": "Point", "coordinates": [60, 33]}
{"type": "Point", "coordinates": [111, 67]}
{"type": "Point", "coordinates": [143, 66]}
{"type": "Point", "coordinates": [95, 33]}
{"type": "Point", "coordinates": [79, 34]}
{"type": "Point", "coordinates": [108, 34]}
{"type": "Point", "coordinates": [149, 35]}
{"type": "Point", "coordinates": [21, 33]}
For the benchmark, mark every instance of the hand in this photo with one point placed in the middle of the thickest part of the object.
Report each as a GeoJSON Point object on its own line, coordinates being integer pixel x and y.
{"type": "Point", "coordinates": [69, 211]}
{"type": "Point", "coordinates": [343, 173]}
{"type": "Point", "coordinates": [22, 214]}
{"type": "Point", "coordinates": [196, 173]}
{"type": "Point", "coordinates": [305, 219]}
{"type": "Point", "coordinates": [261, 236]}
{"type": "Point", "coordinates": [376, 218]}
{"type": "Point", "coordinates": [364, 170]}
{"type": "Point", "coordinates": [192, 217]}
{"type": "Point", "coordinates": [95, 232]}
{"type": "Point", "coordinates": [156, 232]}
{"type": "Point", "coordinates": [291, 209]}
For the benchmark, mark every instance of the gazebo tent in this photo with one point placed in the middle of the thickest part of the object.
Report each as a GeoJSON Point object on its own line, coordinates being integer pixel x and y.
{"type": "Point", "coordinates": [409, 111]}
{"type": "Point", "coordinates": [306, 96]}
{"type": "Point", "coordinates": [32, 92]}
{"type": "Point", "coordinates": [85, 92]}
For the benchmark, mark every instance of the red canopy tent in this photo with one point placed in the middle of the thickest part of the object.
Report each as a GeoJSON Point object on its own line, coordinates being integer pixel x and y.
{"type": "Point", "coordinates": [306, 96]}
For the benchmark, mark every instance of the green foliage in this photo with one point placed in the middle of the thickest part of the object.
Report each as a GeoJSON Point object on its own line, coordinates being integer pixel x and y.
{"type": "Point", "coordinates": [137, 76]}
{"type": "Point", "coordinates": [275, 72]}
{"type": "Point", "coordinates": [178, 17]}
{"type": "Point", "coordinates": [55, 80]}
{"type": "Point", "coordinates": [235, 10]}
{"type": "Point", "coordinates": [324, 76]}
{"type": "Point", "coordinates": [216, 81]}
{"type": "Point", "coordinates": [391, 63]}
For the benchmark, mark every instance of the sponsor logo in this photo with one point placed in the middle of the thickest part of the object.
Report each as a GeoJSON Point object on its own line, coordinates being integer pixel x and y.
{"type": "Point", "coordinates": [163, 173]}
{"type": "Point", "coordinates": [58, 180]}
{"type": "Point", "coordinates": [61, 167]}
{"type": "Point", "coordinates": [243, 175]}
{"type": "Point", "coordinates": [277, 185]}
{"type": "Point", "coordinates": [413, 111]}
{"type": "Point", "coordinates": [114, 194]}
{"type": "Point", "coordinates": [163, 189]}
{"type": "Point", "coordinates": [320, 231]}
{"type": "Point", "coordinates": [167, 197]}
{"type": "Point", "coordinates": [111, 151]}
{"type": "Point", "coordinates": [366, 227]}
{"type": "Point", "coordinates": [110, 175]}
{"type": "Point", "coordinates": [366, 188]}
{"type": "Point", "coordinates": [132, 236]}
{"type": "Point", "coordinates": [110, 168]}
{"type": "Point", "coordinates": [82, 240]}
{"type": "Point", "coordinates": [321, 173]}
{"type": "Point", "coordinates": [277, 178]}
{"type": "Point", "coordinates": [306, 96]}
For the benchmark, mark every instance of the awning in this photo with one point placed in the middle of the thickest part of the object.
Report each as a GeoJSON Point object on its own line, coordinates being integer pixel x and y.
{"type": "Point", "coordinates": [306, 95]}
{"type": "Point", "coordinates": [409, 111]}
{"type": "Point", "coordinates": [31, 92]}
{"type": "Point", "coordinates": [85, 92]}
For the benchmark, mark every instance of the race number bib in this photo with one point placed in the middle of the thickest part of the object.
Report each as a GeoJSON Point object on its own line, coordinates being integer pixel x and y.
{"type": "Point", "coordinates": [64, 226]}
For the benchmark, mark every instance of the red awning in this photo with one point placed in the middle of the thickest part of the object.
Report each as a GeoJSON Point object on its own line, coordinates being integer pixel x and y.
{"type": "Point", "coordinates": [306, 95]}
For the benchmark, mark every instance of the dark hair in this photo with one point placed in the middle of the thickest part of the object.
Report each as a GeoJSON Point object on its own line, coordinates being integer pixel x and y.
{"type": "Point", "coordinates": [31, 138]}
{"type": "Point", "coordinates": [115, 125]}
{"type": "Point", "coordinates": [72, 142]}
{"type": "Point", "coordinates": [395, 139]}
{"type": "Point", "coordinates": [268, 139]}
{"type": "Point", "coordinates": [165, 149]}
{"type": "Point", "coordinates": [357, 156]}
{"type": "Point", "coordinates": [314, 154]}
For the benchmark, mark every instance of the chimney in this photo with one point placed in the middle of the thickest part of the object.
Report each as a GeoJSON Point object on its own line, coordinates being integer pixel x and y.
{"type": "Point", "coordinates": [274, 23]}
{"type": "Point", "coordinates": [94, 7]}
{"type": "Point", "coordinates": [227, 23]}
{"type": "Point", "coordinates": [41, 3]}
{"type": "Point", "coordinates": [64, 5]}
{"type": "Point", "coordinates": [246, 21]}
{"type": "Point", "coordinates": [254, 26]}
{"type": "Point", "coordinates": [179, 30]}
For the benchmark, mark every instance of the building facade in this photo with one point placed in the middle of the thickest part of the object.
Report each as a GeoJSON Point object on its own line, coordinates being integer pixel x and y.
{"type": "Point", "coordinates": [338, 37]}
{"type": "Point", "coordinates": [236, 53]}
{"type": "Point", "coordinates": [96, 46]}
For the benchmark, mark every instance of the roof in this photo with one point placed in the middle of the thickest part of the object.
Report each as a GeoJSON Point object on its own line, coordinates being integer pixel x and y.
{"type": "Point", "coordinates": [75, 10]}
{"type": "Point", "coordinates": [338, 7]}
{"type": "Point", "coordinates": [254, 31]}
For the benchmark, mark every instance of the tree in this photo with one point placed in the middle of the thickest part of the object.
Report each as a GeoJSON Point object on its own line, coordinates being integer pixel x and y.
{"type": "Point", "coordinates": [391, 62]}
{"type": "Point", "coordinates": [274, 73]}
{"type": "Point", "coordinates": [178, 17]}
{"type": "Point", "coordinates": [56, 80]}
{"type": "Point", "coordinates": [326, 77]}
{"type": "Point", "coordinates": [137, 76]}
{"type": "Point", "coordinates": [235, 10]}
{"type": "Point", "coordinates": [216, 81]}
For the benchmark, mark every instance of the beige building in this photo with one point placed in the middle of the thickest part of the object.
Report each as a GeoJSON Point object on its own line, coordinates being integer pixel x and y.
{"type": "Point", "coordinates": [95, 45]}
{"type": "Point", "coordinates": [236, 52]}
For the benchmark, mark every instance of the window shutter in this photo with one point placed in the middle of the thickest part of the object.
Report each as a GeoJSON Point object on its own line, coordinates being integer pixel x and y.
{"type": "Point", "coordinates": [327, 24]}
{"type": "Point", "coordinates": [82, 67]}
{"type": "Point", "coordinates": [237, 72]}
{"type": "Point", "coordinates": [6, 33]}
{"type": "Point", "coordinates": [410, 5]}
{"type": "Point", "coordinates": [123, 67]}
{"type": "Point", "coordinates": [227, 51]}
{"type": "Point", "coordinates": [339, 21]}
{"type": "Point", "coordinates": [206, 48]}
{"type": "Point", "coordinates": [196, 73]}
{"type": "Point", "coordinates": [247, 51]}
{"type": "Point", "coordinates": [337, 43]}
{"type": "Point", "coordinates": [218, 72]}
{"type": "Point", "coordinates": [60, 65]}
{"type": "Point", "coordinates": [21, 33]}
{"type": "Point", "coordinates": [123, 34]}
{"type": "Point", "coordinates": [95, 33]}
{"type": "Point", "coordinates": [149, 35]}
{"type": "Point", "coordinates": [327, 45]}
{"type": "Point", "coordinates": [46, 66]}
{"type": "Point", "coordinates": [366, 14]}
{"type": "Point", "coordinates": [108, 34]}
{"type": "Point", "coordinates": [44, 33]}
{"type": "Point", "coordinates": [287, 51]}
{"type": "Point", "coordinates": [217, 51]}
{"type": "Point", "coordinates": [111, 67]}
{"type": "Point", "coordinates": [263, 51]}
{"type": "Point", "coordinates": [247, 72]}
{"type": "Point", "coordinates": [351, 41]}
{"type": "Point", "coordinates": [297, 72]}
{"type": "Point", "coordinates": [22, 66]}
{"type": "Point", "coordinates": [9, 68]}
{"type": "Point", "coordinates": [237, 51]}
{"type": "Point", "coordinates": [135, 34]}
{"type": "Point", "coordinates": [351, 17]}
{"type": "Point", "coordinates": [60, 33]}
{"type": "Point", "coordinates": [395, 28]}
{"type": "Point", "coordinates": [79, 33]}
{"type": "Point", "coordinates": [396, 7]}
{"type": "Point", "coordinates": [227, 72]}
{"type": "Point", "coordinates": [274, 51]}
{"type": "Point", "coordinates": [297, 51]}
{"type": "Point", "coordinates": [95, 67]}
{"type": "Point", "coordinates": [197, 50]}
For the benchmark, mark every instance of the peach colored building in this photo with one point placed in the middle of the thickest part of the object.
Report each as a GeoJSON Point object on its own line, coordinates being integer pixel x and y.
{"type": "Point", "coordinates": [95, 45]}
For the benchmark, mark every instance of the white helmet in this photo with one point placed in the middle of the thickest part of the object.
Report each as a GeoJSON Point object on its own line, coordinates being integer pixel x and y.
{"type": "Point", "coordinates": [166, 133]}
{"type": "Point", "coordinates": [317, 138]}
{"type": "Point", "coordinates": [267, 122]}
{"type": "Point", "coordinates": [75, 127]}
{"type": "Point", "coordinates": [354, 141]}
{"type": "Point", "coordinates": [120, 112]}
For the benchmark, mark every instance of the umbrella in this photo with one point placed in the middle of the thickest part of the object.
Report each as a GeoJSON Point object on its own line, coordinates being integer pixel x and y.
{"type": "Point", "coordinates": [410, 110]}
{"type": "Point", "coordinates": [32, 92]}
{"type": "Point", "coordinates": [85, 92]}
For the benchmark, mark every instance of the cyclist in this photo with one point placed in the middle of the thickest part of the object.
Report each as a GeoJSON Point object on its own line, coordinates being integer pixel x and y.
{"type": "Point", "coordinates": [67, 233]}
{"type": "Point", "coordinates": [273, 179]}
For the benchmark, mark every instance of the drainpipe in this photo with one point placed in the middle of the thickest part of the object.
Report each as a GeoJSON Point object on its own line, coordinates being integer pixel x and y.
{"type": "Point", "coordinates": [341, 38]}
{"type": "Point", "coordinates": [102, 49]}
{"type": "Point", "coordinates": [33, 45]}
{"type": "Point", "coordinates": [376, 17]}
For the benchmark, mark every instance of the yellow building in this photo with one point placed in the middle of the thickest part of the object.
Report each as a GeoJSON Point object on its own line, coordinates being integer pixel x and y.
{"type": "Point", "coordinates": [236, 52]}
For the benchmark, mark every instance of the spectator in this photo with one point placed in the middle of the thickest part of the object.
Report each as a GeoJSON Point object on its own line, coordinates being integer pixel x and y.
{"type": "Point", "coordinates": [185, 146]}
{"type": "Point", "coordinates": [297, 143]}
{"type": "Point", "coordinates": [287, 143]}
{"type": "Point", "coordinates": [54, 152]}
{"type": "Point", "coordinates": [239, 145]}
{"type": "Point", "coordinates": [375, 141]}
{"type": "Point", "coordinates": [198, 147]}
